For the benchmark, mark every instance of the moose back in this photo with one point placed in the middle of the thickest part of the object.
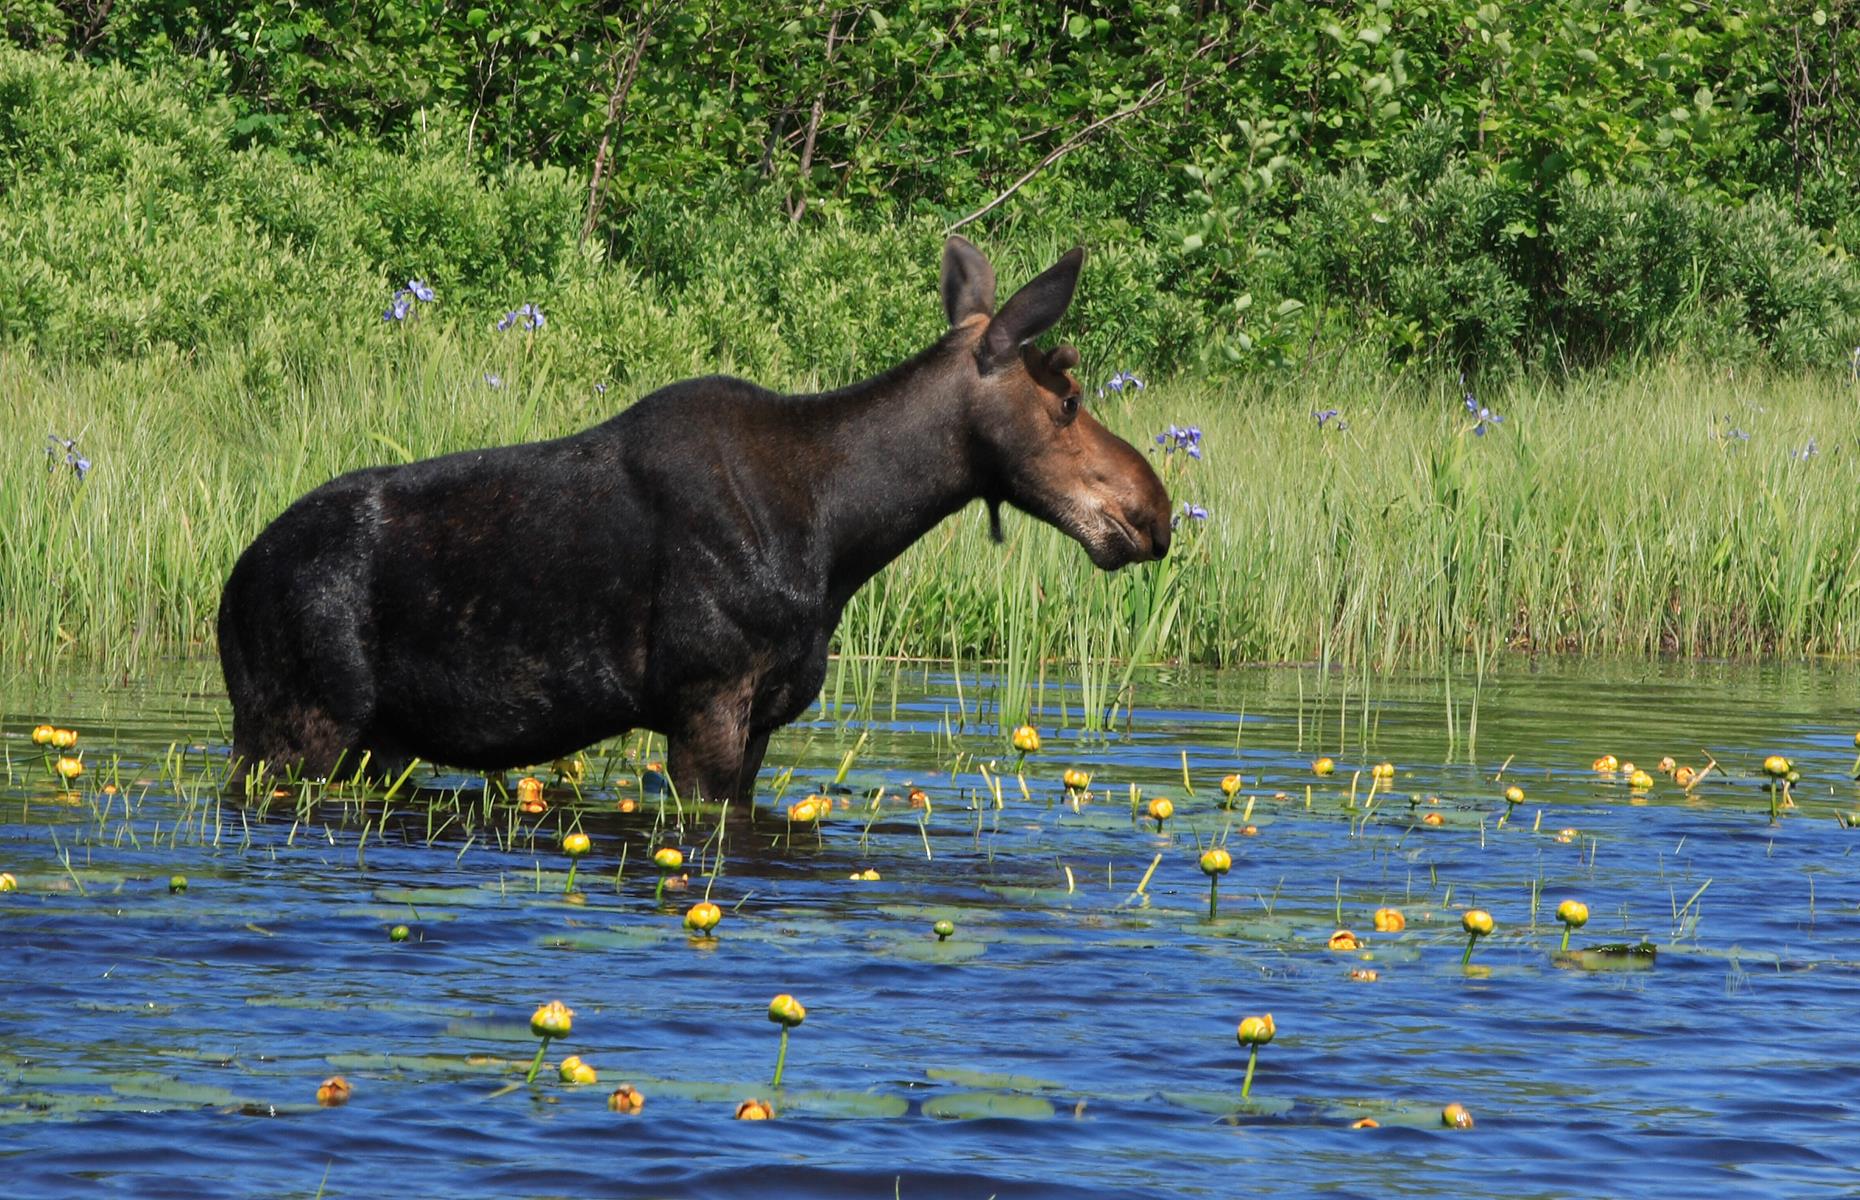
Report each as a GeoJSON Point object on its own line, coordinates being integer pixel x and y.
{"type": "Point", "coordinates": [715, 530]}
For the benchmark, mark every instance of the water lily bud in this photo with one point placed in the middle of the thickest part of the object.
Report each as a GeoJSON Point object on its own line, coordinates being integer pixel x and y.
{"type": "Point", "coordinates": [177, 884]}
{"type": "Point", "coordinates": [1216, 861]}
{"type": "Point", "coordinates": [1324, 766]}
{"type": "Point", "coordinates": [1161, 809]}
{"type": "Point", "coordinates": [7, 882]}
{"type": "Point", "coordinates": [1793, 777]}
{"type": "Point", "coordinates": [943, 929]}
{"type": "Point", "coordinates": [68, 767]}
{"type": "Point", "coordinates": [1573, 913]}
{"type": "Point", "coordinates": [334, 1092]}
{"type": "Point", "coordinates": [552, 1020]}
{"type": "Point", "coordinates": [1076, 780]}
{"type": "Point", "coordinates": [1230, 785]}
{"type": "Point", "coordinates": [1565, 836]}
{"type": "Point", "coordinates": [787, 1011]}
{"type": "Point", "coordinates": [1640, 781]}
{"type": "Point", "coordinates": [1455, 1116]}
{"type": "Point", "coordinates": [668, 858]}
{"type": "Point", "coordinates": [1776, 766]}
{"type": "Point", "coordinates": [869, 875]}
{"type": "Point", "coordinates": [576, 844]}
{"type": "Point", "coordinates": [1433, 818]}
{"type": "Point", "coordinates": [1684, 776]}
{"type": "Point", "coordinates": [803, 811]}
{"type": "Point", "coordinates": [1514, 794]}
{"type": "Point", "coordinates": [1364, 974]}
{"type": "Point", "coordinates": [918, 798]}
{"type": "Point", "coordinates": [755, 1110]}
{"type": "Point", "coordinates": [529, 788]}
{"type": "Point", "coordinates": [626, 1099]}
{"type": "Point", "coordinates": [64, 739]}
{"type": "Point", "coordinates": [573, 1070]}
{"type": "Point", "coordinates": [1607, 762]}
{"type": "Point", "coordinates": [399, 933]}
{"type": "Point", "coordinates": [1382, 770]}
{"type": "Point", "coordinates": [42, 735]}
{"type": "Point", "coordinates": [1249, 831]}
{"type": "Point", "coordinates": [1026, 739]}
{"type": "Point", "coordinates": [1256, 1031]}
{"type": "Point", "coordinates": [627, 804]}
{"type": "Point", "coordinates": [702, 917]}
{"type": "Point", "coordinates": [1477, 922]}
{"type": "Point", "coordinates": [1390, 920]}
{"type": "Point", "coordinates": [1365, 1123]}
{"type": "Point", "coordinates": [1343, 939]}
{"type": "Point", "coordinates": [1628, 768]}
{"type": "Point", "coordinates": [1667, 765]}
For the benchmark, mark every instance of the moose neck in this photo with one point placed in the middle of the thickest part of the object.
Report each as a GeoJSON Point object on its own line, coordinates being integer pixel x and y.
{"type": "Point", "coordinates": [906, 462]}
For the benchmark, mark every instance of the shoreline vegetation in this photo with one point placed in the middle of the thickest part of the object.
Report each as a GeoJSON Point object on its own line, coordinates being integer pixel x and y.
{"type": "Point", "coordinates": [1592, 378]}
{"type": "Point", "coordinates": [1667, 509]}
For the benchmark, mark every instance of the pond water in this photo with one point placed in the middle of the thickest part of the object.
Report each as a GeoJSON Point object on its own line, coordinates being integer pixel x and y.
{"type": "Point", "coordinates": [1075, 1035]}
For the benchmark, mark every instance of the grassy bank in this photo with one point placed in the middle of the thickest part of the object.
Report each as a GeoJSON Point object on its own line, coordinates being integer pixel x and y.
{"type": "Point", "coordinates": [1673, 509]}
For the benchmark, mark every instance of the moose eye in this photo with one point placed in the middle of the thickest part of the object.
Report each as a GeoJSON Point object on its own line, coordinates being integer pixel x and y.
{"type": "Point", "coordinates": [1069, 406]}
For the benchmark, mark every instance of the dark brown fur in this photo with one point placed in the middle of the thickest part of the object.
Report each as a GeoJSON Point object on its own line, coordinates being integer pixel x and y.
{"type": "Point", "coordinates": [680, 567]}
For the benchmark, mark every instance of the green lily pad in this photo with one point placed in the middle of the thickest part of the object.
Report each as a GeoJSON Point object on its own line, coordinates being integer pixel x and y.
{"type": "Point", "coordinates": [167, 1089]}
{"type": "Point", "coordinates": [932, 950]}
{"type": "Point", "coordinates": [629, 937]}
{"type": "Point", "coordinates": [423, 1065]}
{"type": "Point", "coordinates": [422, 897]}
{"type": "Point", "coordinates": [1229, 1104]}
{"type": "Point", "coordinates": [990, 1080]}
{"type": "Point", "coordinates": [972, 1106]}
{"type": "Point", "coordinates": [862, 1105]}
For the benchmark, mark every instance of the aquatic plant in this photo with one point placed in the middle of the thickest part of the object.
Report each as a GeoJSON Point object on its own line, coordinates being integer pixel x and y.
{"type": "Point", "coordinates": [1075, 780]}
{"type": "Point", "coordinates": [1780, 771]}
{"type": "Point", "coordinates": [7, 882]}
{"type": "Point", "coordinates": [552, 1020]}
{"type": "Point", "coordinates": [1215, 862]}
{"type": "Point", "coordinates": [574, 845]}
{"type": "Point", "coordinates": [943, 929]}
{"type": "Point", "coordinates": [1253, 1033]}
{"type": "Point", "coordinates": [755, 1110]}
{"type": "Point", "coordinates": [177, 885]}
{"type": "Point", "coordinates": [1343, 940]}
{"type": "Point", "coordinates": [787, 1012]}
{"type": "Point", "coordinates": [667, 859]}
{"type": "Point", "coordinates": [1160, 809]}
{"type": "Point", "coordinates": [574, 1071]}
{"type": "Point", "coordinates": [1324, 767]}
{"type": "Point", "coordinates": [702, 918]}
{"type": "Point", "coordinates": [334, 1092]}
{"type": "Point", "coordinates": [1574, 914]}
{"type": "Point", "coordinates": [1477, 923]}
{"type": "Point", "coordinates": [399, 933]}
{"type": "Point", "coordinates": [626, 1099]}
{"type": "Point", "coordinates": [1455, 1116]}
{"type": "Point", "coordinates": [1389, 920]}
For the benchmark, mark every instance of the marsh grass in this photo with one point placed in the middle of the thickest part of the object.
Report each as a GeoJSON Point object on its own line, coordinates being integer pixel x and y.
{"type": "Point", "coordinates": [1623, 514]}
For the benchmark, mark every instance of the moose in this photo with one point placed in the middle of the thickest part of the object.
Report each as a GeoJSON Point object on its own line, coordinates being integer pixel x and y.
{"type": "Point", "coordinates": [716, 530]}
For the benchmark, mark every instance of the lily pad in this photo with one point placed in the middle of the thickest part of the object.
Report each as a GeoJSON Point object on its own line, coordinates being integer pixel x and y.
{"type": "Point", "coordinates": [973, 1106]}
{"type": "Point", "coordinates": [990, 1080]}
{"type": "Point", "coordinates": [424, 1065]}
{"type": "Point", "coordinates": [1628, 957]}
{"type": "Point", "coordinates": [934, 951]}
{"type": "Point", "coordinates": [1229, 1104]}
{"type": "Point", "coordinates": [630, 937]}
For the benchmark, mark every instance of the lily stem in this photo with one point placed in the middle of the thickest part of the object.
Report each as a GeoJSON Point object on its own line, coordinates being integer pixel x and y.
{"type": "Point", "coordinates": [1470, 943]}
{"type": "Point", "coordinates": [781, 1057]}
{"type": "Point", "coordinates": [536, 1063]}
{"type": "Point", "coordinates": [1252, 1060]}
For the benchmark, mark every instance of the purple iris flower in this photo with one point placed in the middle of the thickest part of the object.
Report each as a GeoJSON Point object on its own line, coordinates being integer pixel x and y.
{"type": "Point", "coordinates": [1120, 381]}
{"type": "Point", "coordinates": [398, 310]}
{"type": "Point", "coordinates": [493, 379]}
{"type": "Point", "coordinates": [64, 451]}
{"type": "Point", "coordinates": [421, 291]}
{"type": "Point", "coordinates": [529, 316]}
{"type": "Point", "coordinates": [1482, 416]}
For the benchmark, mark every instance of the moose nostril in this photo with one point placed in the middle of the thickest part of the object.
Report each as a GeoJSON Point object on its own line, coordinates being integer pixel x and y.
{"type": "Point", "coordinates": [1159, 537]}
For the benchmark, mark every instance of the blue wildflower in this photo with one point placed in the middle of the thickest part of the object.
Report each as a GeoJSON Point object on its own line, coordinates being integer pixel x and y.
{"type": "Point", "coordinates": [600, 389]}
{"type": "Point", "coordinates": [1120, 381]}
{"type": "Point", "coordinates": [1805, 453]}
{"type": "Point", "coordinates": [529, 316]}
{"type": "Point", "coordinates": [1194, 512]}
{"type": "Point", "coordinates": [1331, 414]}
{"type": "Point", "coordinates": [398, 310]}
{"type": "Point", "coordinates": [421, 291]}
{"type": "Point", "coordinates": [64, 452]}
{"type": "Point", "coordinates": [1186, 440]}
{"type": "Point", "coordinates": [1482, 416]}
{"type": "Point", "coordinates": [494, 379]}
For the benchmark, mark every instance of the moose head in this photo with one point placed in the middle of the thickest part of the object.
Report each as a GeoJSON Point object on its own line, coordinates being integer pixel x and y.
{"type": "Point", "coordinates": [1037, 447]}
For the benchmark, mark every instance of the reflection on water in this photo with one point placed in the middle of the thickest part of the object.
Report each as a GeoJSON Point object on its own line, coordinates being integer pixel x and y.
{"type": "Point", "coordinates": [1074, 1035]}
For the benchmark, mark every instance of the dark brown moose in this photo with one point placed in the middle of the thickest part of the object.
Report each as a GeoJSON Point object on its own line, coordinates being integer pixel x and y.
{"type": "Point", "coordinates": [713, 532]}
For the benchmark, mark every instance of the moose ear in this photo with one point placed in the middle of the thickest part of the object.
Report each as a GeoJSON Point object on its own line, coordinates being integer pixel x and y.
{"type": "Point", "coordinates": [968, 281]}
{"type": "Point", "coordinates": [1033, 310]}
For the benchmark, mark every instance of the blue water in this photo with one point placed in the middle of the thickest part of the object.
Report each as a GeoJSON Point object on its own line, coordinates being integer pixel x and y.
{"type": "Point", "coordinates": [1067, 1041]}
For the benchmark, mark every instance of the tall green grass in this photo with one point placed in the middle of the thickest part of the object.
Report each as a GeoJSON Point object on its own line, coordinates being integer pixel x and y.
{"type": "Point", "coordinates": [1607, 515]}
